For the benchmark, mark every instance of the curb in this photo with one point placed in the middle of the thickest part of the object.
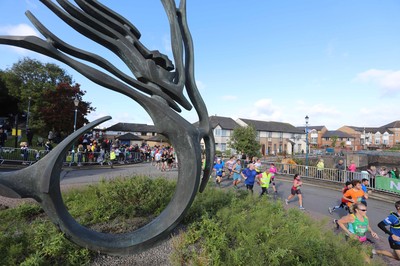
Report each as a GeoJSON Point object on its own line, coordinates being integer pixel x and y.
{"type": "Point", "coordinates": [377, 195]}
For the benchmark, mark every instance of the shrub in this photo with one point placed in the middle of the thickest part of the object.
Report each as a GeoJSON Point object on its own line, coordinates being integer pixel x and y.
{"type": "Point", "coordinates": [119, 198]}
{"type": "Point", "coordinates": [28, 238]}
{"type": "Point", "coordinates": [260, 232]}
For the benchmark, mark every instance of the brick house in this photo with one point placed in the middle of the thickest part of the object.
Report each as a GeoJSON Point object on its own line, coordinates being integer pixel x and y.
{"type": "Point", "coordinates": [277, 137]}
{"type": "Point", "coordinates": [315, 134]}
{"type": "Point", "coordinates": [375, 137]}
{"type": "Point", "coordinates": [343, 140]}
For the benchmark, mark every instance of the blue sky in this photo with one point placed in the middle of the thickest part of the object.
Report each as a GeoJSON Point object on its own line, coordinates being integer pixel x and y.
{"type": "Point", "coordinates": [336, 61]}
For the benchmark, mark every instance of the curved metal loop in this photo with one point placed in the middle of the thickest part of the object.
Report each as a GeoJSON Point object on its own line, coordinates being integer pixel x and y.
{"type": "Point", "coordinates": [42, 180]}
{"type": "Point", "coordinates": [33, 181]}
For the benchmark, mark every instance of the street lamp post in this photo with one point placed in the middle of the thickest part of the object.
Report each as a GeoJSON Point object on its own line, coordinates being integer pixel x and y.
{"type": "Point", "coordinates": [27, 115]}
{"type": "Point", "coordinates": [76, 103]}
{"type": "Point", "coordinates": [307, 144]}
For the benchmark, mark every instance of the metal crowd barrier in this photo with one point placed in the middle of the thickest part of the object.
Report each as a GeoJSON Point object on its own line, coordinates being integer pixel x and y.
{"type": "Point", "coordinates": [336, 176]}
{"type": "Point", "coordinates": [20, 156]}
{"type": "Point", "coordinates": [14, 156]}
{"type": "Point", "coordinates": [93, 158]}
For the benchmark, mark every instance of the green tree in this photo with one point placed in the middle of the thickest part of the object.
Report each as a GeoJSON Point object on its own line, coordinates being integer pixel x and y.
{"type": "Point", "coordinates": [245, 139]}
{"type": "Point", "coordinates": [58, 108]}
{"type": "Point", "coordinates": [334, 140]}
{"type": "Point", "coordinates": [9, 104]}
{"type": "Point", "coordinates": [49, 90]}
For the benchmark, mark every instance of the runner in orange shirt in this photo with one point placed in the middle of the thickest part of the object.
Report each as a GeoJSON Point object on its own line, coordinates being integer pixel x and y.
{"type": "Point", "coordinates": [354, 195]}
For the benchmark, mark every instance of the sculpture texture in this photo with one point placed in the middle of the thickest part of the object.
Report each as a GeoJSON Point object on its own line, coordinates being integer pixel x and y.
{"type": "Point", "coordinates": [154, 82]}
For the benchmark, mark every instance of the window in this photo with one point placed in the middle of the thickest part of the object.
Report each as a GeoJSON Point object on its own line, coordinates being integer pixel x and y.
{"type": "Point", "coordinates": [217, 132]}
{"type": "Point", "coordinates": [269, 134]}
{"type": "Point", "coordinates": [223, 146]}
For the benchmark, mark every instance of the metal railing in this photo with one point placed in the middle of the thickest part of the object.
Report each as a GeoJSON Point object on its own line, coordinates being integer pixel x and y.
{"type": "Point", "coordinates": [334, 175]}
{"type": "Point", "coordinates": [15, 156]}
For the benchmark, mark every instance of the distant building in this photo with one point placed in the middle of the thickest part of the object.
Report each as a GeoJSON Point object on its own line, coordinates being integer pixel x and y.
{"type": "Point", "coordinates": [143, 130]}
{"type": "Point", "coordinates": [343, 140]}
{"type": "Point", "coordinates": [315, 134]}
{"type": "Point", "coordinates": [277, 137]}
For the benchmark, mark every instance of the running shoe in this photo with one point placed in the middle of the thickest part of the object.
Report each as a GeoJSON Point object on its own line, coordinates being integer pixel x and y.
{"type": "Point", "coordinates": [330, 210]}
{"type": "Point", "coordinates": [286, 201]}
{"type": "Point", "coordinates": [302, 208]}
{"type": "Point", "coordinates": [373, 253]}
{"type": "Point", "coordinates": [336, 223]}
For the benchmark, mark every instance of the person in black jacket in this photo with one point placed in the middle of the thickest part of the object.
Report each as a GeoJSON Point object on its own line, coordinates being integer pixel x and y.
{"type": "Point", "coordinates": [393, 221]}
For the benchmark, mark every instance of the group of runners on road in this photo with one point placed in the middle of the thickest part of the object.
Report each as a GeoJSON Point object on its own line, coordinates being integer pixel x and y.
{"type": "Point", "coordinates": [354, 197]}
{"type": "Point", "coordinates": [356, 224]}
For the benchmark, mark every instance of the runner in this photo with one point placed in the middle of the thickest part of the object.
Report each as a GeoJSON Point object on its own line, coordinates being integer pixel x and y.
{"type": "Point", "coordinates": [364, 185]}
{"type": "Point", "coordinates": [236, 169]}
{"type": "Point", "coordinates": [393, 220]}
{"type": "Point", "coordinates": [264, 179]}
{"type": "Point", "coordinates": [356, 225]}
{"type": "Point", "coordinates": [273, 171]}
{"type": "Point", "coordinates": [249, 175]}
{"type": "Point", "coordinates": [257, 166]}
{"type": "Point", "coordinates": [343, 204]}
{"type": "Point", "coordinates": [229, 165]}
{"type": "Point", "coordinates": [354, 195]}
{"type": "Point", "coordinates": [218, 168]}
{"type": "Point", "coordinates": [296, 191]}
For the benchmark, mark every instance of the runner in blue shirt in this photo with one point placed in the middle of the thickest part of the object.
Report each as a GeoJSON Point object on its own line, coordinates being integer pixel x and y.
{"type": "Point", "coordinates": [249, 176]}
{"type": "Point", "coordinates": [393, 220]}
{"type": "Point", "coordinates": [218, 168]}
{"type": "Point", "coordinates": [364, 184]}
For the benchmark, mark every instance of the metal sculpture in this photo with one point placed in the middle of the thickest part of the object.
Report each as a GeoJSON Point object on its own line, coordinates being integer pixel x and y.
{"type": "Point", "coordinates": [161, 84]}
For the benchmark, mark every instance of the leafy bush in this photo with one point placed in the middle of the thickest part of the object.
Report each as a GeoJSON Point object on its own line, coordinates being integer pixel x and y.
{"type": "Point", "coordinates": [260, 232]}
{"type": "Point", "coordinates": [121, 197]}
{"type": "Point", "coordinates": [28, 238]}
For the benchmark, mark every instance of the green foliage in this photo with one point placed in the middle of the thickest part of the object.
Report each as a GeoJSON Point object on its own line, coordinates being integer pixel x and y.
{"type": "Point", "coordinates": [334, 140]}
{"type": "Point", "coordinates": [121, 197]}
{"type": "Point", "coordinates": [27, 238]}
{"type": "Point", "coordinates": [9, 104]}
{"type": "Point", "coordinates": [48, 90]}
{"type": "Point", "coordinates": [259, 232]}
{"type": "Point", "coordinates": [209, 203]}
{"type": "Point", "coordinates": [245, 139]}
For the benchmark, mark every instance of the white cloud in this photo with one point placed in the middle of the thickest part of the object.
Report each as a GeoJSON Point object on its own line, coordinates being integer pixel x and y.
{"type": "Point", "coordinates": [19, 30]}
{"type": "Point", "coordinates": [387, 80]}
{"type": "Point", "coordinates": [263, 109]}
